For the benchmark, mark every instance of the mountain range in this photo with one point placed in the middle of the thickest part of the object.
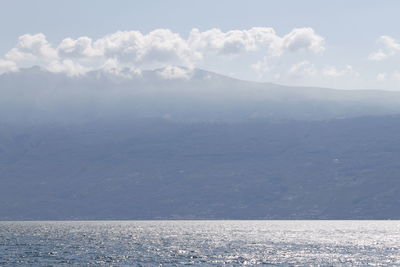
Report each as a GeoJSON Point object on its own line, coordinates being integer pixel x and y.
{"type": "Point", "coordinates": [198, 146]}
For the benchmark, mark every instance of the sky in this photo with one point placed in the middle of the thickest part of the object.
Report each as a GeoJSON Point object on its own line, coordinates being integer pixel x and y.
{"type": "Point", "coordinates": [338, 44]}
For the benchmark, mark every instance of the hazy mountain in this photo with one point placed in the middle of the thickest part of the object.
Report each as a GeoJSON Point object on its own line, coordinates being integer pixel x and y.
{"type": "Point", "coordinates": [36, 96]}
{"type": "Point", "coordinates": [102, 146]}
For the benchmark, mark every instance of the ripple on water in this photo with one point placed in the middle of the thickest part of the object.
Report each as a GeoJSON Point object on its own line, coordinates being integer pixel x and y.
{"type": "Point", "coordinates": [200, 243]}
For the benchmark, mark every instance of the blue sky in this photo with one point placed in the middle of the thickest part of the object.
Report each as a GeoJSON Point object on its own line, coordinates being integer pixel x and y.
{"type": "Point", "coordinates": [352, 54]}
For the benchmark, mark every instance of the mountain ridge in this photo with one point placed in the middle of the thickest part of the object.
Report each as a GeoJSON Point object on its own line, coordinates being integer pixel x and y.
{"type": "Point", "coordinates": [89, 149]}
{"type": "Point", "coordinates": [33, 95]}
{"type": "Point", "coordinates": [37, 69]}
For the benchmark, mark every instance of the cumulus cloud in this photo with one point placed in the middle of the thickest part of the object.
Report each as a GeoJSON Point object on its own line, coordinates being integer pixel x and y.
{"type": "Point", "coordinates": [388, 47]}
{"type": "Point", "coordinates": [7, 66]}
{"type": "Point", "coordinates": [78, 48]}
{"type": "Point", "coordinates": [34, 48]}
{"type": "Point", "coordinates": [306, 69]}
{"type": "Point", "coordinates": [160, 47]}
{"type": "Point", "coordinates": [303, 39]}
{"type": "Point", "coordinates": [303, 68]}
{"type": "Point", "coordinates": [240, 41]}
{"type": "Point", "coordinates": [377, 56]}
{"type": "Point", "coordinates": [331, 71]}
{"type": "Point", "coordinates": [231, 42]}
{"type": "Point", "coordinates": [112, 66]}
{"type": "Point", "coordinates": [67, 66]}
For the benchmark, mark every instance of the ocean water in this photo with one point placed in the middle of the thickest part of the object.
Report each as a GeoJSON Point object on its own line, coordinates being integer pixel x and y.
{"type": "Point", "coordinates": [200, 243]}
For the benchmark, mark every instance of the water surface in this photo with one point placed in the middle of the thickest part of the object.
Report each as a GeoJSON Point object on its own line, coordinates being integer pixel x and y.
{"type": "Point", "coordinates": [205, 243]}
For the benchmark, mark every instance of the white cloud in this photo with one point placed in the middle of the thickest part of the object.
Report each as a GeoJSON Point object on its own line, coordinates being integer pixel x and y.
{"type": "Point", "coordinates": [173, 72]}
{"type": "Point", "coordinates": [306, 69]}
{"type": "Point", "coordinates": [391, 79]}
{"type": "Point", "coordinates": [34, 48]}
{"type": "Point", "coordinates": [389, 47]}
{"type": "Point", "coordinates": [261, 67]}
{"type": "Point", "coordinates": [112, 66]}
{"type": "Point", "coordinates": [239, 41]}
{"type": "Point", "coordinates": [158, 48]}
{"type": "Point", "coordinates": [231, 42]}
{"type": "Point", "coordinates": [303, 39]}
{"type": "Point", "coordinates": [7, 66]}
{"type": "Point", "coordinates": [67, 66]}
{"type": "Point", "coordinates": [303, 69]}
{"type": "Point", "coordinates": [377, 56]}
{"type": "Point", "coordinates": [381, 77]}
{"type": "Point", "coordinates": [80, 48]}
{"type": "Point", "coordinates": [331, 71]}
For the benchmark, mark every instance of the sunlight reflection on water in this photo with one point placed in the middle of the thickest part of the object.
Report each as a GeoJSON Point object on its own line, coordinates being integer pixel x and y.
{"type": "Point", "coordinates": [171, 243]}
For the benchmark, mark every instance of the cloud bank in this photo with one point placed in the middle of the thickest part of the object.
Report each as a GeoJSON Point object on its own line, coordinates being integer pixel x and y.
{"type": "Point", "coordinates": [126, 52]}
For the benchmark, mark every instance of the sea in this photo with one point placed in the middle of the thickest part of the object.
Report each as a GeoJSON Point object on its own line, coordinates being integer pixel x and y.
{"type": "Point", "coordinates": [200, 243]}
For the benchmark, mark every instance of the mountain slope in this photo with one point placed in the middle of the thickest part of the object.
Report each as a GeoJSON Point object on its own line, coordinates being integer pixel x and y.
{"type": "Point", "coordinates": [103, 146]}
{"type": "Point", "coordinates": [152, 169]}
{"type": "Point", "coordinates": [36, 96]}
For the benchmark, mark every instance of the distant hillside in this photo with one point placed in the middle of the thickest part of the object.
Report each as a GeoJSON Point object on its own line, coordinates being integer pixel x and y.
{"type": "Point", "coordinates": [159, 169]}
{"type": "Point", "coordinates": [35, 96]}
{"type": "Point", "coordinates": [201, 145]}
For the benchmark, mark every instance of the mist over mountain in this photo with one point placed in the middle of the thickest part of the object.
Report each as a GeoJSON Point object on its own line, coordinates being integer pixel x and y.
{"type": "Point", "coordinates": [180, 94]}
{"type": "Point", "coordinates": [182, 143]}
